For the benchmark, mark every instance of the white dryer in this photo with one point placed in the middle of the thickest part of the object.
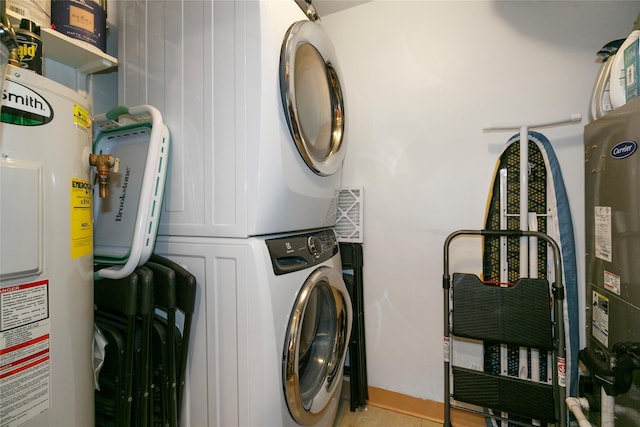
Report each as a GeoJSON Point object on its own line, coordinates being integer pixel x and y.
{"type": "Point", "coordinates": [271, 329]}
{"type": "Point", "coordinates": [251, 92]}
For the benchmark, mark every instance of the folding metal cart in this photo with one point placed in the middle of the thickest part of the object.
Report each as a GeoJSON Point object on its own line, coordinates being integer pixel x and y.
{"type": "Point", "coordinates": [528, 314]}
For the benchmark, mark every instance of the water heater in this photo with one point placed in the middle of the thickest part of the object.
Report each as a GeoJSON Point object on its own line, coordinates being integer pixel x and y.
{"type": "Point", "coordinates": [46, 254]}
{"type": "Point", "coordinates": [612, 234]}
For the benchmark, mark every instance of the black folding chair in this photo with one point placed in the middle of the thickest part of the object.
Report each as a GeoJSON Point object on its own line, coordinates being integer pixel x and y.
{"type": "Point", "coordinates": [185, 301]}
{"type": "Point", "coordinates": [123, 311]}
{"type": "Point", "coordinates": [165, 338]}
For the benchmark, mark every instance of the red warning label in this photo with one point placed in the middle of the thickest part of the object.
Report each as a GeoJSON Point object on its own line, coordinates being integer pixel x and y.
{"type": "Point", "coordinates": [562, 372]}
{"type": "Point", "coordinates": [24, 352]}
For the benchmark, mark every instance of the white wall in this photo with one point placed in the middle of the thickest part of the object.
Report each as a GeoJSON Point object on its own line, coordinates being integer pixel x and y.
{"type": "Point", "coordinates": [421, 79]}
{"type": "Point", "coordinates": [104, 92]}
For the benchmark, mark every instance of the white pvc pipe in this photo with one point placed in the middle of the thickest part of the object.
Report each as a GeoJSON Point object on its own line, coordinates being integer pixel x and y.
{"type": "Point", "coordinates": [576, 406]}
{"type": "Point", "coordinates": [607, 411]}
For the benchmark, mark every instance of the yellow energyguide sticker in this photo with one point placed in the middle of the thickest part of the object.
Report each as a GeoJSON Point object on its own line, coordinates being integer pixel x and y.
{"type": "Point", "coordinates": [81, 218]}
{"type": "Point", "coordinates": [81, 116]}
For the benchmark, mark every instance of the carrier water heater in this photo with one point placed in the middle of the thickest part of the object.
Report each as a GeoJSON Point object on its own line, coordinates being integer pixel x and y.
{"type": "Point", "coordinates": [612, 221]}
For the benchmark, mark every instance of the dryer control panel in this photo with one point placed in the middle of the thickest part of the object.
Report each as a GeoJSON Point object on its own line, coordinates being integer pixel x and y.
{"type": "Point", "coordinates": [299, 251]}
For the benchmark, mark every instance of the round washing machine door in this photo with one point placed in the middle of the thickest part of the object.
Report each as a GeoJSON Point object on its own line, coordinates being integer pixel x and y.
{"type": "Point", "coordinates": [316, 345]}
{"type": "Point", "coordinates": [312, 96]}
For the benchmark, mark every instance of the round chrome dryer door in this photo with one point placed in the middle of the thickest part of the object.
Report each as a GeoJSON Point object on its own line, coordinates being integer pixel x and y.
{"type": "Point", "coordinates": [316, 345]}
{"type": "Point", "coordinates": [312, 96]}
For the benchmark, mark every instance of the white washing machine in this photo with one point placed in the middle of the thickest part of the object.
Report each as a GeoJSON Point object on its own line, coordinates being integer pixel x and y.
{"type": "Point", "coordinates": [251, 92]}
{"type": "Point", "coordinates": [271, 330]}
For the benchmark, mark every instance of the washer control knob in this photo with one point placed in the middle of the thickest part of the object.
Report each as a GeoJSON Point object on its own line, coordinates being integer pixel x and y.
{"type": "Point", "coordinates": [315, 245]}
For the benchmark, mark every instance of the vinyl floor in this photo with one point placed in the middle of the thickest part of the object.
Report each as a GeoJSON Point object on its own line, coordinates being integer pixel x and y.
{"type": "Point", "coordinates": [373, 416]}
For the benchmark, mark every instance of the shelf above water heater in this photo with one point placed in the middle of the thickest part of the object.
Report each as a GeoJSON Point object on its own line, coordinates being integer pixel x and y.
{"type": "Point", "coordinates": [80, 55]}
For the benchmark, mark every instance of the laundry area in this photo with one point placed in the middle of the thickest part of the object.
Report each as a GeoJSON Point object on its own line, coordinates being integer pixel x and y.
{"type": "Point", "coordinates": [319, 213]}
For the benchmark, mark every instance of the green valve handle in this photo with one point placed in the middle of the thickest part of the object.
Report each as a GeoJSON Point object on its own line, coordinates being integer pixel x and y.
{"type": "Point", "coordinates": [116, 112]}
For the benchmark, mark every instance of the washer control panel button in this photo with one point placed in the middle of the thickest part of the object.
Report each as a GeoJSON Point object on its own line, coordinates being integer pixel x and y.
{"type": "Point", "coordinates": [314, 244]}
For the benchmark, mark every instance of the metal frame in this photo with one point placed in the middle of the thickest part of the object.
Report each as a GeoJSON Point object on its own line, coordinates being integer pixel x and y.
{"type": "Point", "coordinates": [559, 353]}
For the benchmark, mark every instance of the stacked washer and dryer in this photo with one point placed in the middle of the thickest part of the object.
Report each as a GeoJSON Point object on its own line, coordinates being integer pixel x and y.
{"type": "Point", "coordinates": [251, 92]}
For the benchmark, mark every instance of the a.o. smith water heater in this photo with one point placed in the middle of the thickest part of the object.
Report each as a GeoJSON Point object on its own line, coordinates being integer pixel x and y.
{"type": "Point", "coordinates": [46, 254]}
